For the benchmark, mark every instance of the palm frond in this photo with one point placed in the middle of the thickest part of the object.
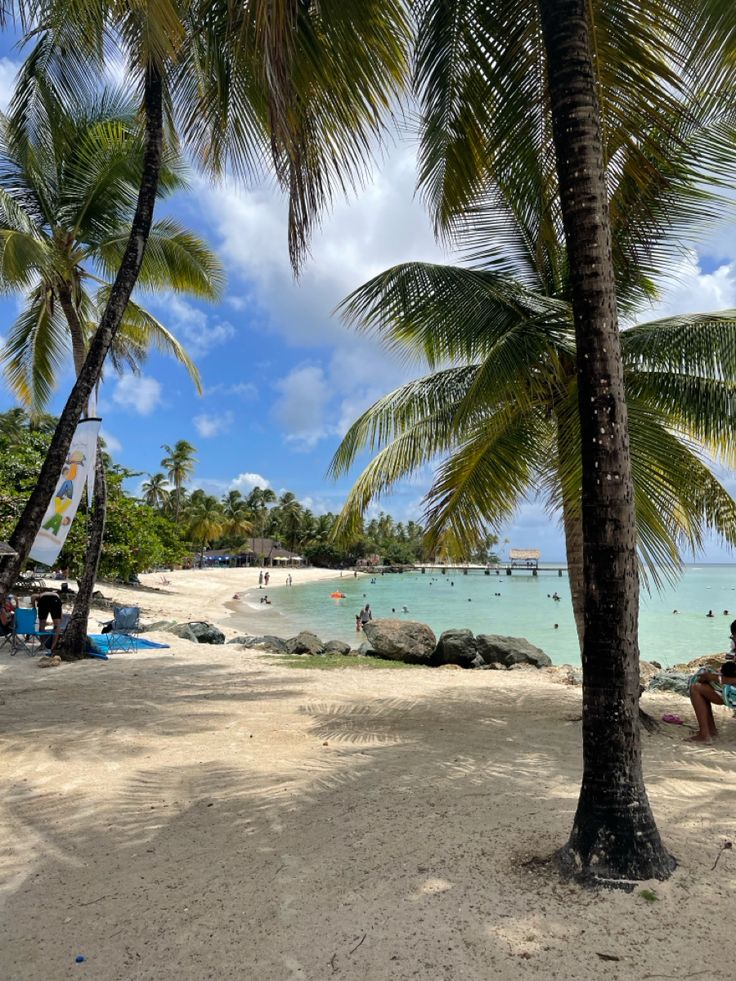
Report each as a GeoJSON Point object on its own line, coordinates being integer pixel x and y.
{"type": "Point", "coordinates": [35, 350]}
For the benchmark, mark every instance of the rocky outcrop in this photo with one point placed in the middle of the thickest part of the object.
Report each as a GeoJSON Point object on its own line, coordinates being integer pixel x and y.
{"type": "Point", "coordinates": [509, 651]}
{"type": "Point", "coordinates": [159, 625]}
{"type": "Point", "coordinates": [457, 647]}
{"type": "Point", "coordinates": [200, 632]}
{"type": "Point", "coordinates": [337, 647]}
{"type": "Point", "coordinates": [675, 681]}
{"type": "Point", "coordinates": [305, 643]}
{"type": "Point", "coordinates": [401, 640]}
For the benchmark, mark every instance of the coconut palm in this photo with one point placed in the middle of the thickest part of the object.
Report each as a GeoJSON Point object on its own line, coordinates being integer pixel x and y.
{"type": "Point", "coordinates": [156, 490]}
{"type": "Point", "coordinates": [205, 520]}
{"type": "Point", "coordinates": [179, 463]}
{"type": "Point", "coordinates": [67, 196]}
{"type": "Point", "coordinates": [513, 161]}
{"type": "Point", "coordinates": [309, 82]}
{"type": "Point", "coordinates": [238, 516]}
{"type": "Point", "coordinates": [258, 501]}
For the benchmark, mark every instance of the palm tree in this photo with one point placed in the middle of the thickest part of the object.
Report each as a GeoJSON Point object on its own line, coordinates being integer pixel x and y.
{"type": "Point", "coordinates": [238, 518]}
{"type": "Point", "coordinates": [179, 463]}
{"type": "Point", "coordinates": [156, 490]}
{"type": "Point", "coordinates": [288, 516]}
{"type": "Point", "coordinates": [258, 501]}
{"type": "Point", "coordinates": [512, 152]}
{"type": "Point", "coordinates": [310, 81]}
{"type": "Point", "coordinates": [67, 195]}
{"type": "Point", "coordinates": [205, 520]}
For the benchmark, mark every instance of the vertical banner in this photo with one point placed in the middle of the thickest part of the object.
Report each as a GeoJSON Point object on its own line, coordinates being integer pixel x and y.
{"type": "Point", "coordinates": [60, 513]}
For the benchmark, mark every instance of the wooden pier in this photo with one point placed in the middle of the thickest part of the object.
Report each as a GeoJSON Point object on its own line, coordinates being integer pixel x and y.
{"type": "Point", "coordinates": [507, 569]}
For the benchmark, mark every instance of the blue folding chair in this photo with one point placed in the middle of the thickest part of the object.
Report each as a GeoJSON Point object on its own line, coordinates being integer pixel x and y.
{"type": "Point", "coordinates": [126, 623]}
{"type": "Point", "coordinates": [25, 635]}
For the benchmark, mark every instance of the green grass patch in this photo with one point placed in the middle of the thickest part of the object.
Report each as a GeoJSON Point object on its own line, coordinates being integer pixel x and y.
{"type": "Point", "coordinates": [334, 661]}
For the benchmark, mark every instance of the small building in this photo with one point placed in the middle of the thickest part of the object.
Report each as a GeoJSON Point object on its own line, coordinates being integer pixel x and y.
{"type": "Point", "coordinates": [524, 558]}
{"type": "Point", "coordinates": [259, 551]}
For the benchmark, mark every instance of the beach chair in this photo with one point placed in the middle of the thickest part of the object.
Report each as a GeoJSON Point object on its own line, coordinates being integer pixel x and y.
{"type": "Point", "coordinates": [25, 635]}
{"type": "Point", "coordinates": [126, 623]}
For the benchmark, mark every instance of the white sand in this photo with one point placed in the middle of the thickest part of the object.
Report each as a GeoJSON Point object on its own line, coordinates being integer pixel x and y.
{"type": "Point", "coordinates": [210, 813]}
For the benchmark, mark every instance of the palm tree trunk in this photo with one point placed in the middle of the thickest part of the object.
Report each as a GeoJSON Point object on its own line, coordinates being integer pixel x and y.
{"type": "Point", "coordinates": [73, 644]}
{"type": "Point", "coordinates": [614, 838]}
{"type": "Point", "coordinates": [574, 550]}
{"type": "Point", "coordinates": [27, 527]}
{"type": "Point", "coordinates": [74, 640]}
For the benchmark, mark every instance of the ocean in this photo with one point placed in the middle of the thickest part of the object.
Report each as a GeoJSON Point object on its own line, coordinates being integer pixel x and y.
{"type": "Point", "coordinates": [524, 608]}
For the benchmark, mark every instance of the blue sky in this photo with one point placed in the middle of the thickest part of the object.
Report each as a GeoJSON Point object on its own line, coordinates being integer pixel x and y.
{"type": "Point", "coordinates": [282, 377]}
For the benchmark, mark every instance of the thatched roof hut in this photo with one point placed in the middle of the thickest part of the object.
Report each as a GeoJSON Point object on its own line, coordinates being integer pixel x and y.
{"type": "Point", "coordinates": [524, 556]}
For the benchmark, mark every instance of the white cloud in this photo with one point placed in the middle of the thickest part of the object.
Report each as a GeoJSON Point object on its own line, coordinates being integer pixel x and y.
{"type": "Point", "coordinates": [242, 390]}
{"type": "Point", "coordinates": [300, 407]}
{"type": "Point", "coordinates": [137, 393]}
{"type": "Point", "coordinates": [8, 71]}
{"type": "Point", "coordinates": [112, 443]}
{"type": "Point", "coordinates": [245, 482]}
{"type": "Point", "coordinates": [212, 424]}
{"type": "Point", "coordinates": [693, 291]}
{"type": "Point", "coordinates": [193, 328]}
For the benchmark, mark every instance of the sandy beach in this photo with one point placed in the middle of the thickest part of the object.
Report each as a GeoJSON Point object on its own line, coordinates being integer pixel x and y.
{"type": "Point", "coordinates": [209, 812]}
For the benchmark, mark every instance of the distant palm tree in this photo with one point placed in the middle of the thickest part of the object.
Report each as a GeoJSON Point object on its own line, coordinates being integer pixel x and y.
{"type": "Point", "coordinates": [156, 490]}
{"type": "Point", "coordinates": [205, 519]}
{"type": "Point", "coordinates": [258, 501]}
{"type": "Point", "coordinates": [238, 516]}
{"type": "Point", "coordinates": [179, 462]}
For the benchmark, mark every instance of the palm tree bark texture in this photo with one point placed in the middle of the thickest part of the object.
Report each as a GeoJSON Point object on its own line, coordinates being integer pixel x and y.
{"type": "Point", "coordinates": [25, 531]}
{"type": "Point", "coordinates": [614, 838]}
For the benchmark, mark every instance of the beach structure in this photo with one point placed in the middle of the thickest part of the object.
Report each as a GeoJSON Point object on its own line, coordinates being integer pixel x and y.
{"type": "Point", "coordinates": [524, 558]}
{"type": "Point", "coordinates": [259, 551]}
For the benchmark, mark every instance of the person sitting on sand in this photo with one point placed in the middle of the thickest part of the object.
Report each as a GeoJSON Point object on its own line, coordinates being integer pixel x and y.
{"type": "Point", "coordinates": [708, 688]}
{"type": "Point", "coordinates": [7, 612]}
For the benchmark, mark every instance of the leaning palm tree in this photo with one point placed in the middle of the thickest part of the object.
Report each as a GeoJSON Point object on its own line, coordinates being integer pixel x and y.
{"type": "Point", "coordinates": [156, 490]}
{"type": "Point", "coordinates": [308, 82]}
{"type": "Point", "coordinates": [67, 195]}
{"type": "Point", "coordinates": [179, 463]}
{"type": "Point", "coordinates": [513, 161]}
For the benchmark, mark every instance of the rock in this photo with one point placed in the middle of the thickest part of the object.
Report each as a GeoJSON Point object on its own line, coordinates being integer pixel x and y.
{"type": "Point", "coordinates": [246, 640]}
{"type": "Point", "coordinates": [159, 625]}
{"type": "Point", "coordinates": [401, 640]}
{"type": "Point", "coordinates": [456, 647]}
{"type": "Point", "coordinates": [647, 670]}
{"type": "Point", "coordinates": [49, 662]}
{"type": "Point", "coordinates": [450, 667]}
{"type": "Point", "coordinates": [675, 681]}
{"type": "Point", "coordinates": [478, 662]}
{"type": "Point", "coordinates": [269, 642]}
{"type": "Point", "coordinates": [706, 661]}
{"type": "Point", "coordinates": [365, 650]}
{"type": "Point", "coordinates": [199, 631]}
{"type": "Point", "coordinates": [565, 674]}
{"type": "Point", "coordinates": [509, 651]}
{"type": "Point", "coordinates": [337, 647]}
{"type": "Point", "coordinates": [184, 631]}
{"type": "Point", "coordinates": [305, 643]}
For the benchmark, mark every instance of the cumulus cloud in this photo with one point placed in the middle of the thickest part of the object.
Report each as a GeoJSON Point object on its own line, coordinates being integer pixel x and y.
{"type": "Point", "coordinates": [210, 424]}
{"type": "Point", "coordinates": [241, 390]}
{"type": "Point", "coordinates": [245, 482]}
{"type": "Point", "coordinates": [137, 393]}
{"type": "Point", "coordinates": [8, 71]}
{"type": "Point", "coordinates": [300, 407]}
{"type": "Point", "coordinates": [691, 290]}
{"type": "Point", "coordinates": [194, 328]}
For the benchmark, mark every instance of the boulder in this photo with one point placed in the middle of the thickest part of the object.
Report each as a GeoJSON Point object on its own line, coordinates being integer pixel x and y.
{"type": "Point", "coordinates": [456, 647]}
{"type": "Point", "coordinates": [565, 674]}
{"type": "Point", "coordinates": [401, 640]}
{"type": "Point", "coordinates": [305, 643]}
{"type": "Point", "coordinates": [706, 661]}
{"type": "Point", "coordinates": [337, 647]}
{"type": "Point", "coordinates": [365, 650]}
{"type": "Point", "coordinates": [509, 651]}
{"type": "Point", "coordinates": [203, 633]}
{"type": "Point", "coordinates": [245, 640]}
{"type": "Point", "coordinates": [269, 642]}
{"type": "Point", "coordinates": [647, 670]}
{"type": "Point", "coordinates": [675, 681]}
{"type": "Point", "coordinates": [184, 631]}
{"type": "Point", "coordinates": [160, 625]}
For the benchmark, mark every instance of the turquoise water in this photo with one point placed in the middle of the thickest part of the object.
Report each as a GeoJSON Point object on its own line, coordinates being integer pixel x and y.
{"type": "Point", "coordinates": [523, 609]}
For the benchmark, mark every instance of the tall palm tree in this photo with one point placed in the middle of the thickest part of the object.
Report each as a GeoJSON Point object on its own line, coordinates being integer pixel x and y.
{"type": "Point", "coordinates": [205, 520]}
{"type": "Point", "coordinates": [67, 196]}
{"type": "Point", "coordinates": [179, 463]}
{"type": "Point", "coordinates": [258, 501]}
{"type": "Point", "coordinates": [238, 516]}
{"type": "Point", "coordinates": [509, 97]}
{"type": "Point", "coordinates": [309, 81]}
{"type": "Point", "coordinates": [156, 490]}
